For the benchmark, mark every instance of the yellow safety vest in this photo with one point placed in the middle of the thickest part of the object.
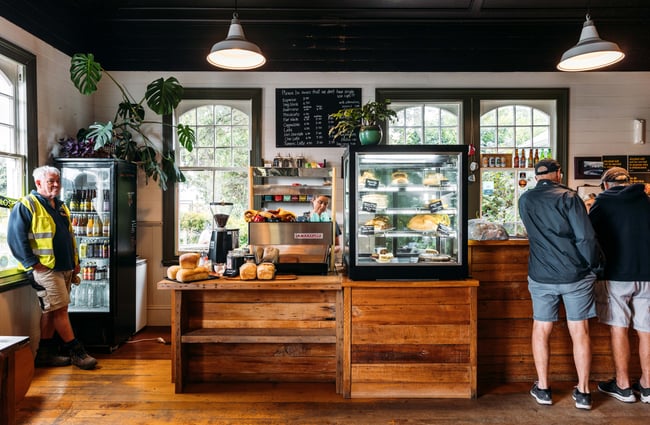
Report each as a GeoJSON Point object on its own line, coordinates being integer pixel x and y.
{"type": "Point", "coordinates": [41, 237]}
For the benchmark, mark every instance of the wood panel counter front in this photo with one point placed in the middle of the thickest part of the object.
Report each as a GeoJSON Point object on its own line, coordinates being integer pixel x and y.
{"type": "Point", "coordinates": [278, 330]}
{"type": "Point", "coordinates": [414, 339]}
{"type": "Point", "coordinates": [505, 322]}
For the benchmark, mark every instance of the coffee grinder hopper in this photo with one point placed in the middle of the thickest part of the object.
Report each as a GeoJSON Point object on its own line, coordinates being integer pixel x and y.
{"type": "Point", "coordinates": [221, 213]}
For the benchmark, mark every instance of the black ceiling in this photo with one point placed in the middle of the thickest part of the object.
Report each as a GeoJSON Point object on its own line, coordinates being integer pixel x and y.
{"type": "Point", "coordinates": [338, 35]}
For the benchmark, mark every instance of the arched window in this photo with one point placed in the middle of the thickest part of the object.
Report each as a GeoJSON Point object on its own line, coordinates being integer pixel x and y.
{"type": "Point", "coordinates": [514, 135]}
{"type": "Point", "coordinates": [425, 124]}
{"type": "Point", "coordinates": [227, 128]}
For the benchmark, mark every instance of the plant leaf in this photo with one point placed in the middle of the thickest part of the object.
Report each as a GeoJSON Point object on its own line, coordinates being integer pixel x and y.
{"type": "Point", "coordinates": [85, 73]}
{"type": "Point", "coordinates": [101, 134]}
{"type": "Point", "coordinates": [163, 96]}
{"type": "Point", "coordinates": [186, 137]}
{"type": "Point", "coordinates": [131, 112]}
{"type": "Point", "coordinates": [171, 170]}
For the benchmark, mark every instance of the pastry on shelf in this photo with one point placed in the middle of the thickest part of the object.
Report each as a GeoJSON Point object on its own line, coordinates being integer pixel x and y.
{"type": "Point", "coordinates": [385, 258]}
{"type": "Point", "coordinates": [380, 222]}
{"type": "Point", "coordinates": [428, 222]}
{"type": "Point", "coordinates": [399, 178]}
{"type": "Point", "coordinates": [378, 199]}
{"type": "Point", "coordinates": [365, 176]}
{"type": "Point", "coordinates": [434, 179]}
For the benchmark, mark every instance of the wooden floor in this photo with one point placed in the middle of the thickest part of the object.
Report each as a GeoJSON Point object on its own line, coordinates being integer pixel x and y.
{"type": "Point", "coordinates": [132, 386]}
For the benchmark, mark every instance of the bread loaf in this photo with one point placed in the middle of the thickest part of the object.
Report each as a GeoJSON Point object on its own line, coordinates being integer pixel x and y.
{"type": "Point", "coordinates": [191, 275]}
{"type": "Point", "coordinates": [427, 222]}
{"type": "Point", "coordinates": [271, 255]}
{"type": "Point", "coordinates": [266, 271]}
{"type": "Point", "coordinates": [172, 271]}
{"type": "Point", "coordinates": [248, 271]}
{"type": "Point", "coordinates": [189, 260]}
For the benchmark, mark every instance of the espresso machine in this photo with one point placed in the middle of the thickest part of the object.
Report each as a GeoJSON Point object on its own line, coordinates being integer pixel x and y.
{"type": "Point", "coordinates": [222, 240]}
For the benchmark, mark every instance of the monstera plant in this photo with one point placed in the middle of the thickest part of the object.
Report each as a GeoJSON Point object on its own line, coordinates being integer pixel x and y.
{"type": "Point", "coordinates": [125, 136]}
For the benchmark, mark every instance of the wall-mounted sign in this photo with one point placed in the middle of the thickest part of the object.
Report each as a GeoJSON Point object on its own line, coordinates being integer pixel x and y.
{"type": "Point", "coordinates": [302, 115]}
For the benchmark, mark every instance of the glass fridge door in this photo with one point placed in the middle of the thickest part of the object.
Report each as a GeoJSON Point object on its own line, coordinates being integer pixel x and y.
{"type": "Point", "coordinates": [86, 191]}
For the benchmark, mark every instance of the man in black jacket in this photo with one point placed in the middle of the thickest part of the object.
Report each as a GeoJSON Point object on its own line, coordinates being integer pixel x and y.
{"type": "Point", "coordinates": [621, 218]}
{"type": "Point", "coordinates": [562, 265]}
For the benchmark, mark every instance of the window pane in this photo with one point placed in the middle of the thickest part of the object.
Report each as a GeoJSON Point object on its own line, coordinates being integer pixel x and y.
{"type": "Point", "coordinates": [505, 115]}
{"type": "Point", "coordinates": [7, 139]}
{"type": "Point", "coordinates": [524, 115]}
{"type": "Point", "coordinates": [223, 150]}
{"type": "Point", "coordinates": [7, 110]}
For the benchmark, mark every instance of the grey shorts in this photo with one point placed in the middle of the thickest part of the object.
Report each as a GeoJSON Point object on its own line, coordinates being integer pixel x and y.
{"type": "Point", "coordinates": [578, 298]}
{"type": "Point", "coordinates": [623, 303]}
{"type": "Point", "coordinates": [53, 289]}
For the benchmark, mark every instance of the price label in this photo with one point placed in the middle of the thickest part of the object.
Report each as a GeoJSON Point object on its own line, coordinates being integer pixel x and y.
{"type": "Point", "coordinates": [436, 206]}
{"type": "Point", "coordinates": [369, 207]}
{"type": "Point", "coordinates": [372, 184]}
{"type": "Point", "coordinates": [367, 230]}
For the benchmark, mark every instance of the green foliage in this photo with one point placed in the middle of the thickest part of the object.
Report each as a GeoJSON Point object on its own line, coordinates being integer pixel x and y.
{"type": "Point", "coordinates": [350, 120]}
{"type": "Point", "coordinates": [499, 207]}
{"type": "Point", "coordinates": [125, 134]}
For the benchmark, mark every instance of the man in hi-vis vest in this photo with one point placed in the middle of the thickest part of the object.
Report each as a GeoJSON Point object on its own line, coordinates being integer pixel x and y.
{"type": "Point", "coordinates": [40, 237]}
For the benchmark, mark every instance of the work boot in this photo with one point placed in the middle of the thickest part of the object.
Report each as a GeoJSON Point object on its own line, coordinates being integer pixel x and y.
{"type": "Point", "coordinates": [80, 357]}
{"type": "Point", "coordinates": [48, 355]}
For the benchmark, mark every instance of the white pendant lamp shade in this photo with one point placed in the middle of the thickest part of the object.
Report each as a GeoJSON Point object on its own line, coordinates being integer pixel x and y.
{"type": "Point", "coordinates": [591, 52]}
{"type": "Point", "coordinates": [235, 52]}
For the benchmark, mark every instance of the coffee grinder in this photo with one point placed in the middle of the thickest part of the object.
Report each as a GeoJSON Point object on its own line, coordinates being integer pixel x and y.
{"type": "Point", "coordinates": [222, 240]}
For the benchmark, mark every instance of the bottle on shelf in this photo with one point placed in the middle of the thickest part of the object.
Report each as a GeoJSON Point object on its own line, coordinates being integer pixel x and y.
{"type": "Point", "coordinates": [536, 157]}
{"type": "Point", "coordinates": [106, 206]}
{"type": "Point", "coordinates": [515, 160]}
{"type": "Point", "coordinates": [529, 162]}
{"type": "Point", "coordinates": [522, 160]}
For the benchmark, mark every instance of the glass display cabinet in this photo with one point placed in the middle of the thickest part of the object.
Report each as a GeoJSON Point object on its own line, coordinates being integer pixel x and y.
{"type": "Point", "coordinates": [406, 212]}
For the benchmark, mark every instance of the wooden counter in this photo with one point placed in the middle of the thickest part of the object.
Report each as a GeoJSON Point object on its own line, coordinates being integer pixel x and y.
{"type": "Point", "coordinates": [414, 339]}
{"type": "Point", "coordinates": [280, 330]}
{"type": "Point", "coordinates": [505, 322]}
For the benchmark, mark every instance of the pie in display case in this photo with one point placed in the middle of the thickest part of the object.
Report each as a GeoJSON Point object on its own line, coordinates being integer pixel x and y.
{"type": "Point", "coordinates": [406, 212]}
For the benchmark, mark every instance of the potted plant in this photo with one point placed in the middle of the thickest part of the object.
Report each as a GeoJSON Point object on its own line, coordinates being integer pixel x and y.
{"type": "Point", "coordinates": [124, 136]}
{"type": "Point", "coordinates": [365, 120]}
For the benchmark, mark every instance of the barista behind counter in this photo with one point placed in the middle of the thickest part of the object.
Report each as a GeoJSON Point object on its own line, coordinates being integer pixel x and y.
{"type": "Point", "coordinates": [319, 214]}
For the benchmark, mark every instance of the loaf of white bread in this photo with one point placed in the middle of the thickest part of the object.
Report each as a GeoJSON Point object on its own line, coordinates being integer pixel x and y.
{"type": "Point", "coordinates": [266, 271]}
{"type": "Point", "coordinates": [188, 269]}
{"type": "Point", "coordinates": [248, 271]}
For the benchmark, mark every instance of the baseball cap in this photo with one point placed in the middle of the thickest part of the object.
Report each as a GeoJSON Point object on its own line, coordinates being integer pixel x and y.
{"type": "Point", "coordinates": [615, 174]}
{"type": "Point", "coordinates": [546, 166]}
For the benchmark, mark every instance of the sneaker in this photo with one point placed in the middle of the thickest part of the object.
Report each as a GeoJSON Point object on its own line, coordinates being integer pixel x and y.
{"type": "Point", "coordinates": [46, 357]}
{"type": "Point", "coordinates": [540, 395]}
{"type": "Point", "coordinates": [583, 400]}
{"type": "Point", "coordinates": [611, 389]}
{"type": "Point", "coordinates": [644, 393]}
{"type": "Point", "coordinates": [81, 358]}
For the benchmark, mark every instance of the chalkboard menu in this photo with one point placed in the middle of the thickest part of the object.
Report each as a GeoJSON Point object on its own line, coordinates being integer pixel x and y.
{"type": "Point", "coordinates": [302, 115]}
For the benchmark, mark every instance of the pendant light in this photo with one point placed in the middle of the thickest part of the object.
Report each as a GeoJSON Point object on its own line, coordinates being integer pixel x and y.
{"type": "Point", "coordinates": [235, 52]}
{"type": "Point", "coordinates": [591, 52]}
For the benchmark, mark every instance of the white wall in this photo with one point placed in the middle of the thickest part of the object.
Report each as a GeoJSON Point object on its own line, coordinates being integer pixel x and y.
{"type": "Point", "coordinates": [61, 110]}
{"type": "Point", "coordinates": [603, 106]}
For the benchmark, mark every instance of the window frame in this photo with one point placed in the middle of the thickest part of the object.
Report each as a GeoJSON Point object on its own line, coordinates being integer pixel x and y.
{"type": "Point", "coordinates": [254, 95]}
{"type": "Point", "coordinates": [28, 60]}
{"type": "Point", "coordinates": [471, 115]}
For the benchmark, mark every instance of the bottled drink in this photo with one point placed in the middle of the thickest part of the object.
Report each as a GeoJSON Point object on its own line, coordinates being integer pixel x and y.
{"type": "Point", "coordinates": [536, 157]}
{"type": "Point", "coordinates": [529, 163]}
{"type": "Point", "coordinates": [74, 202]}
{"type": "Point", "coordinates": [107, 202]}
{"type": "Point", "coordinates": [522, 160]}
{"type": "Point", "coordinates": [515, 160]}
{"type": "Point", "coordinates": [106, 227]}
{"type": "Point", "coordinates": [97, 227]}
{"type": "Point", "coordinates": [90, 226]}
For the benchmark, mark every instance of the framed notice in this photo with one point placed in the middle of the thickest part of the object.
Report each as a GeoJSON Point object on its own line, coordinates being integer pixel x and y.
{"type": "Point", "coordinates": [302, 116]}
{"type": "Point", "coordinates": [588, 167]}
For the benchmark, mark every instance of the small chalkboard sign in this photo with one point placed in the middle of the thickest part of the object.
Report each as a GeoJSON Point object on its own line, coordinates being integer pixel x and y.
{"type": "Point", "coordinates": [372, 184]}
{"type": "Point", "coordinates": [369, 207]}
{"type": "Point", "coordinates": [302, 115]}
{"type": "Point", "coordinates": [436, 206]}
{"type": "Point", "coordinates": [367, 230]}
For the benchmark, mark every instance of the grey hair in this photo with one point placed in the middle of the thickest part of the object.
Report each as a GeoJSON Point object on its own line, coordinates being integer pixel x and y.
{"type": "Point", "coordinates": [40, 172]}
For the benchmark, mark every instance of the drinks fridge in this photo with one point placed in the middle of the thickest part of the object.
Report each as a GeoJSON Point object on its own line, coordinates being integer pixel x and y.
{"type": "Point", "coordinates": [101, 195]}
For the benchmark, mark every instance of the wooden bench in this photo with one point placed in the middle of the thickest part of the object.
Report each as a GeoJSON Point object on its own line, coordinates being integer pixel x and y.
{"type": "Point", "coordinates": [224, 330]}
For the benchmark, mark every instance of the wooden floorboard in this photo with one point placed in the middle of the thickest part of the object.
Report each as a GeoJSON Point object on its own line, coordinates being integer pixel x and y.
{"type": "Point", "coordinates": [133, 386]}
